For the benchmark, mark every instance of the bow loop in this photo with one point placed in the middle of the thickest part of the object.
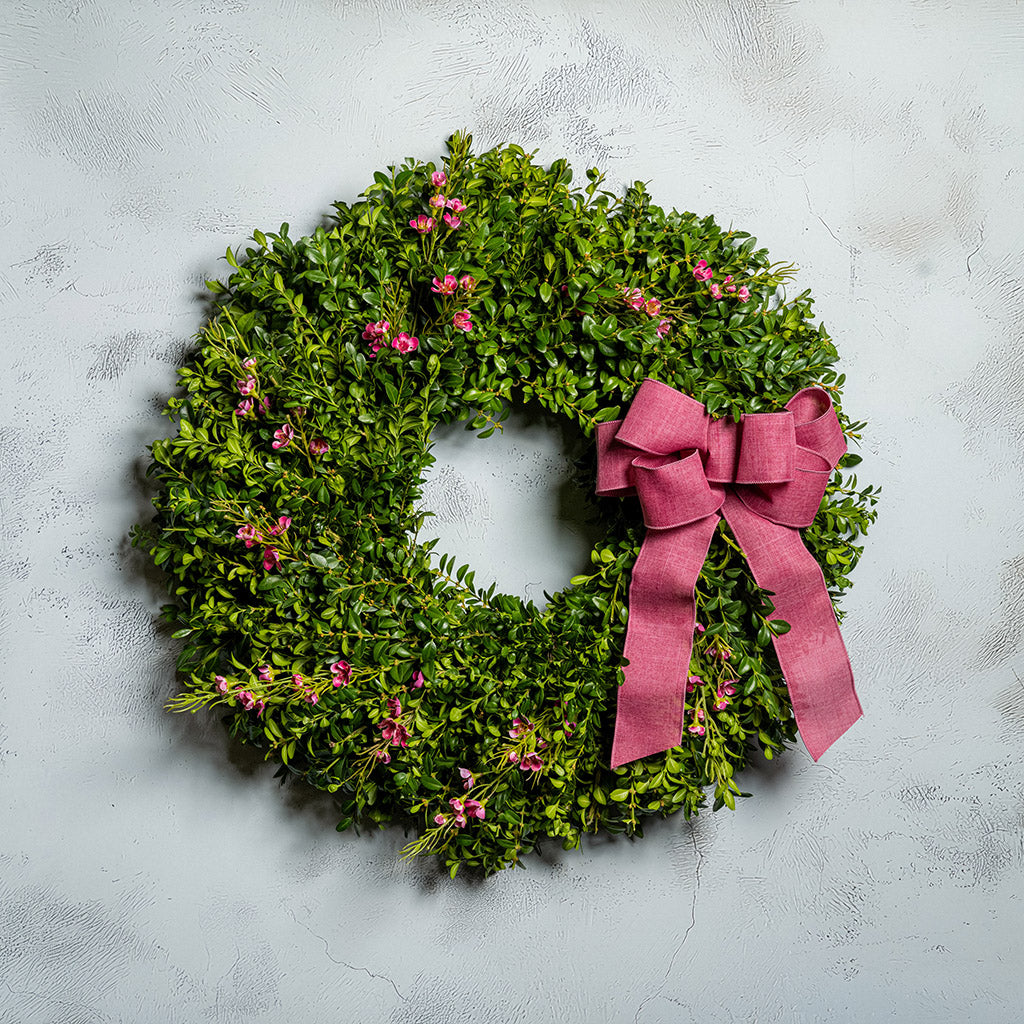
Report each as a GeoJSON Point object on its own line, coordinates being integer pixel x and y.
{"type": "Point", "coordinates": [674, 492]}
{"type": "Point", "coordinates": [662, 420]}
{"type": "Point", "coordinates": [767, 448]}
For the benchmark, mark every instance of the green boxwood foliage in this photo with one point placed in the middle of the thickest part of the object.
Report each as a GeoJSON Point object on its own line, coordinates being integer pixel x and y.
{"type": "Point", "coordinates": [312, 614]}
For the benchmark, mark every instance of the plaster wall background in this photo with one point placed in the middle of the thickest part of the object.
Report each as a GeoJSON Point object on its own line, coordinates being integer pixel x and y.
{"type": "Point", "coordinates": [150, 872]}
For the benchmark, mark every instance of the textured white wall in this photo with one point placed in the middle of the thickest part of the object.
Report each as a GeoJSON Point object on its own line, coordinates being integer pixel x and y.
{"type": "Point", "coordinates": [150, 872]}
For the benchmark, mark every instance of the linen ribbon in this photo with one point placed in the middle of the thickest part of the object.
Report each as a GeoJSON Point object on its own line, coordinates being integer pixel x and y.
{"type": "Point", "coordinates": [766, 476]}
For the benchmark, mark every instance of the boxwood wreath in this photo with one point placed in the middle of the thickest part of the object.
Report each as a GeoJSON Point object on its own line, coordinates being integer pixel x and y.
{"type": "Point", "coordinates": [332, 636]}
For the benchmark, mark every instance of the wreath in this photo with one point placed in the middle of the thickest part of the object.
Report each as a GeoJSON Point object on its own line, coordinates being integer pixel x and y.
{"type": "Point", "coordinates": [333, 636]}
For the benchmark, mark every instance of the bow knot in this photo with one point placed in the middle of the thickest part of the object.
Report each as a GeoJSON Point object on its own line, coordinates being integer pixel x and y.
{"type": "Point", "coordinates": [766, 475]}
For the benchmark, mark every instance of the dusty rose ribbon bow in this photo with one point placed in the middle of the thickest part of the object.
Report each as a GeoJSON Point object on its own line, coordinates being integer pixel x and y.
{"type": "Point", "coordinates": [766, 476]}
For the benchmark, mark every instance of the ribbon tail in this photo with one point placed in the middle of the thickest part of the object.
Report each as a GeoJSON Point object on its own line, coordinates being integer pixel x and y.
{"type": "Point", "coordinates": [659, 640]}
{"type": "Point", "coordinates": [812, 654]}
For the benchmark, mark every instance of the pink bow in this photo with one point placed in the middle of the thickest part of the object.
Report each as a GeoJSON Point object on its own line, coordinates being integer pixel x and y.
{"type": "Point", "coordinates": [766, 476]}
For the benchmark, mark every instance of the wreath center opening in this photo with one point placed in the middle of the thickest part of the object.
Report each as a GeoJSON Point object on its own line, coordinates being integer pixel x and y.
{"type": "Point", "coordinates": [513, 505]}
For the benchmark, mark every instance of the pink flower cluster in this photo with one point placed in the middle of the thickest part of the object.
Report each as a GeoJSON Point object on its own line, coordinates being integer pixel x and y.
{"type": "Point", "coordinates": [636, 300]}
{"type": "Point", "coordinates": [246, 387]}
{"type": "Point", "coordinates": [244, 697]}
{"type": "Point", "coordinates": [424, 224]}
{"type": "Point", "coordinates": [392, 729]}
{"type": "Point", "coordinates": [450, 283]}
{"type": "Point", "coordinates": [723, 693]}
{"type": "Point", "coordinates": [405, 343]}
{"type": "Point", "coordinates": [309, 694]}
{"type": "Point", "coordinates": [341, 673]}
{"type": "Point", "coordinates": [252, 537]}
{"type": "Point", "coordinates": [249, 702]}
{"type": "Point", "coordinates": [702, 272]}
{"type": "Point", "coordinates": [531, 762]}
{"type": "Point", "coordinates": [376, 333]}
{"type": "Point", "coordinates": [464, 810]}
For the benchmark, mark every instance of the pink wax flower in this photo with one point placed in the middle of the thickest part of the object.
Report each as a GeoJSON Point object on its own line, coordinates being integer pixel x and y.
{"type": "Point", "coordinates": [405, 343]}
{"type": "Point", "coordinates": [721, 701]}
{"type": "Point", "coordinates": [248, 364]}
{"type": "Point", "coordinates": [318, 446]}
{"type": "Point", "coordinates": [468, 282]}
{"type": "Point", "coordinates": [456, 205]}
{"type": "Point", "coordinates": [265, 405]}
{"type": "Point", "coordinates": [531, 763]}
{"type": "Point", "coordinates": [467, 778]}
{"type": "Point", "coordinates": [697, 729]}
{"type": "Point", "coordinates": [520, 726]}
{"type": "Point", "coordinates": [475, 809]}
{"type": "Point", "coordinates": [716, 292]}
{"type": "Point", "coordinates": [283, 436]}
{"type": "Point", "coordinates": [423, 224]}
{"type": "Point", "coordinates": [244, 407]}
{"type": "Point", "coordinates": [728, 285]}
{"type": "Point", "coordinates": [250, 535]}
{"type": "Point", "coordinates": [513, 757]}
{"type": "Point", "coordinates": [417, 680]}
{"type": "Point", "coordinates": [282, 524]}
{"type": "Point", "coordinates": [697, 626]}
{"type": "Point", "coordinates": [259, 707]}
{"type": "Point", "coordinates": [394, 732]}
{"type": "Point", "coordinates": [461, 321]}
{"type": "Point", "coordinates": [692, 682]}
{"type": "Point", "coordinates": [743, 293]}
{"type": "Point", "coordinates": [271, 559]}
{"type": "Point", "coordinates": [633, 298]}
{"type": "Point", "coordinates": [452, 221]}
{"type": "Point", "coordinates": [342, 673]}
{"type": "Point", "coordinates": [266, 674]}
{"type": "Point", "coordinates": [297, 681]}
{"type": "Point", "coordinates": [459, 808]}
{"type": "Point", "coordinates": [246, 699]}
{"type": "Point", "coordinates": [376, 329]}
{"type": "Point", "coordinates": [664, 326]}
{"type": "Point", "coordinates": [729, 687]}
{"type": "Point", "coordinates": [222, 683]}
{"type": "Point", "coordinates": [438, 201]}
{"type": "Point", "coordinates": [375, 347]}
{"type": "Point", "coordinates": [394, 706]}
{"type": "Point", "coordinates": [438, 178]}
{"type": "Point", "coordinates": [447, 286]}
{"type": "Point", "coordinates": [653, 307]}
{"type": "Point", "coordinates": [247, 386]}
{"type": "Point", "coordinates": [383, 756]}
{"type": "Point", "coordinates": [702, 271]}
{"type": "Point", "coordinates": [311, 697]}
{"type": "Point", "coordinates": [439, 819]}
